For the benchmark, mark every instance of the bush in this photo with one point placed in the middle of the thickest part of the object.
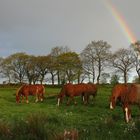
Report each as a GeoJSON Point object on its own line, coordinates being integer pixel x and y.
{"type": "Point", "coordinates": [5, 131]}
{"type": "Point", "coordinates": [35, 127]}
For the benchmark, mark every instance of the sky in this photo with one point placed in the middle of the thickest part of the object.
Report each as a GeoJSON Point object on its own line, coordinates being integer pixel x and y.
{"type": "Point", "coordinates": [37, 26]}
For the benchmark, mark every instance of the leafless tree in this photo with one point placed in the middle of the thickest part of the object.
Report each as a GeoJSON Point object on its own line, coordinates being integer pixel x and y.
{"type": "Point", "coordinates": [122, 60]}
{"type": "Point", "coordinates": [55, 52]}
{"type": "Point", "coordinates": [88, 60]}
{"type": "Point", "coordinates": [96, 55]}
{"type": "Point", "coordinates": [136, 53]}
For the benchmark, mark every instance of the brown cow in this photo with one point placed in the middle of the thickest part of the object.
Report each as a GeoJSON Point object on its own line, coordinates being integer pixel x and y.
{"type": "Point", "coordinates": [127, 94]}
{"type": "Point", "coordinates": [70, 90]}
{"type": "Point", "coordinates": [26, 90]}
{"type": "Point", "coordinates": [117, 93]}
{"type": "Point", "coordinates": [132, 97]}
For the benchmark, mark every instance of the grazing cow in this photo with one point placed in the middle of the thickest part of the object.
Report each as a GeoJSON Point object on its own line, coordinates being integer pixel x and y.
{"type": "Point", "coordinates": [132, 97]}
{"type": "Point", "coordinates": [70, 90]}
{"type": "Point", "coordinates": [128, 94]}
{"type": "Point", "coordinates": [118, 92]}
{"type": "Point", "coordinates": [26, 90]}
{"type": "Point", "coordinates": [91, 90]}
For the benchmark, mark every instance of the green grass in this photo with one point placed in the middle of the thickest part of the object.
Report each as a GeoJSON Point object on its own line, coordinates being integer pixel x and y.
{"type": "Point", "coordinates": [45, 120]}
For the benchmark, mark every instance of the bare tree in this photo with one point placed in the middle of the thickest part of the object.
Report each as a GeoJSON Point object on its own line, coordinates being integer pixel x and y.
{"type": "Point", "coordinates": [122, 60]}
{"type": "Point", "coordinates": [136, 53]}
{"type": "Point", "coordinates": [32, 73]}
{"type": "Point", "coordinates": [6, 70]}
{"type": "Point", "coordinates": [97, 55]}
{"type": "Point", "coordinates": [42, 66]}
{"type": "Point", "coordinates": [52, 67]}
{"type": "Point", "coordinates": [88, 59]}
{"type": "Point", "coordinates": [55, 52]}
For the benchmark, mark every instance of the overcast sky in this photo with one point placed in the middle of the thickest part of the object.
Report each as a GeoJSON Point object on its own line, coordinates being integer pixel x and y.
{"type": "Point", "coordinates": [37, 26]}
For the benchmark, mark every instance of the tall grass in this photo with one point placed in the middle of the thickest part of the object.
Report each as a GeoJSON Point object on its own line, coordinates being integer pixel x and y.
{"type": "Point", "coordinates": [35, 126]}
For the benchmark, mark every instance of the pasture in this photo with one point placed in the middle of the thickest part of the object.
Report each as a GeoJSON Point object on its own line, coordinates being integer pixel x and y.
{"type": "Point", "coordinates": [44, 120]}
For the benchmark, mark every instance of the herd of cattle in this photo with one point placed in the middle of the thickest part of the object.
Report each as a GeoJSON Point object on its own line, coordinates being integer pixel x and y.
{"type": "Point", "coordinates": [127, 94]}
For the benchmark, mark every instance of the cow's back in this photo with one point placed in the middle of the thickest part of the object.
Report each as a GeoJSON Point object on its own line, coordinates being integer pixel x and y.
{"type": "Point", "coordinates": [134, 95]}
{"type": "Point", "coordinates": [92, 88]}
{"type": "Point", "coordinates": [75, 89]}
{"type": "Point", "coordinates": [120, 90]}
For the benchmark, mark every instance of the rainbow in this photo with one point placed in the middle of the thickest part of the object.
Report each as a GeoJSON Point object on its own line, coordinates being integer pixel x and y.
{"type": "Point", "coordinates": [123, 24]}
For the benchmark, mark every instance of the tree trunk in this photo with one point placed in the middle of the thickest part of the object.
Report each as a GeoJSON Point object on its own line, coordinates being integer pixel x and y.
{"type": "Point", "coordinates": [78, 79]}
{"type": "Point", "coordinates": [99, 72]}
{"type": "Point", "coordinates": [138, 72]}
{"type": "Point", "coordinates": [93, 78]}
{"type": "Point", "coordinates": [52, 78]}
{"type": "Point", "coordinates": [125, 77]}
{"type": "Point", "coordinates": [58, 77]}
{"type": "Point", "coordinates": [42, 78]}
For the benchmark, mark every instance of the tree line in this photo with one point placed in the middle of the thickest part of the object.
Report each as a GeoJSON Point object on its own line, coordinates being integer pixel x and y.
{"type": "Point", "coordinates": [96, 63]}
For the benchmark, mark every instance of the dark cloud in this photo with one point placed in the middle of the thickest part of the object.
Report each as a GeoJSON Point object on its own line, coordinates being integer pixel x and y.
{"type": "Point", "coordinates": [36, 26]}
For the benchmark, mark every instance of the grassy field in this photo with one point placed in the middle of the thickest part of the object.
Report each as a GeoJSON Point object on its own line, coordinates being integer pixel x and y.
{"type": "Point", "coordinates": [42, 121]}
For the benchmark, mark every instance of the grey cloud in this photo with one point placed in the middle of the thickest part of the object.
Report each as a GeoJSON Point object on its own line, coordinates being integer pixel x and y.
{"type": "Point", "coordinates": [35, 26]}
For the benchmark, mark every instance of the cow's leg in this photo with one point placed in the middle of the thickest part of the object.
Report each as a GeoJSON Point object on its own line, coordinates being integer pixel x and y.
{"type": "Point", "coordinates": [93, 100]}
{"type": "Point", "coordinates": [41, 98]}
{"type": "Point", "coordinates": [82, 98]}
{"type": "Point", "coordinates": [85, 99]}
{"type": "Point", "coordinates": [127, 113]}
{"type": "Point", "coordinates": [37, 95]}
{"type": "Point", "coordinates": [58, 102]}
{"type": "Point", "coordinates": [36, 100]}
{"type": "Point", "coordinates": [27, 101]}
{"type": "Point", "coordinates": [74, 101]}
{"type": "Point", "coordinates": [70, 99]}
{"type": "Point", "coordinates": [19, 97]}
{"type": "Point", "coordinates": [22, 98]}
